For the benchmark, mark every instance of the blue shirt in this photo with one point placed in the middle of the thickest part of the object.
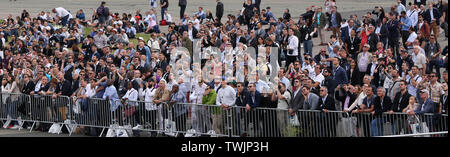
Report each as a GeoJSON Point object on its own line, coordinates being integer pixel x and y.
{"type": "Point", "coordinates": [132, 30]}
{"type": "Point", "coordinates": [179, 97]}
{"type": "Point", "coordinates": [334, 20]}
{"type": "Point", "coordinates": [101, 92]}
{"type": "Point", "coordinates": [111, 92]}
{"type": "Point", "coordinates": [318, 19]}
{"type": "Point", "coordinates": [406, 23]}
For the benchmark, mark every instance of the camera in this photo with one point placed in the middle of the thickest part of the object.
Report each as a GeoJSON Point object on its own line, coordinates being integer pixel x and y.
{"type": "Point", "coordinates": [279, 87]}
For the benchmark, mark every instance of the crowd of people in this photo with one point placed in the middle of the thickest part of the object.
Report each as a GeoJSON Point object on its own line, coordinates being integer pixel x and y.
{"type": "Point", "coordinates": [362, 67]}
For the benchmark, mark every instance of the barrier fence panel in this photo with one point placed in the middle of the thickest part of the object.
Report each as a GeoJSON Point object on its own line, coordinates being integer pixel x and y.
{"type": "Point", "coordinates": [46, 110]}
{"type": "Point", "coordinates": [138, 118]}
{"type": "Point", "coordinates": [201, 120]}
{"type": "Point", "coordinates": [92, 114]}
{"type": "Point", "coordinates": [15, 110]}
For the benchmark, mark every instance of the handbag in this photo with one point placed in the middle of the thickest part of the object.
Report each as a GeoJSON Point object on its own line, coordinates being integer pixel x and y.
{"type": "Point", "coordinates": [349, 126]}
{"type": "Point", "coordinates": [293, 120]}
{"type": "Point", "coordinates": [169, 127]}
{"type": "Point", "coordinates": [54, 129]}
{"type": "Point", "coordinates": [163, 22]}
{"type": "Point", "coordinates": [419, 127]}
{"type": "Point", "coordinates": [129, 111]}
{"type": "Point", "coordinates": [76, 107]}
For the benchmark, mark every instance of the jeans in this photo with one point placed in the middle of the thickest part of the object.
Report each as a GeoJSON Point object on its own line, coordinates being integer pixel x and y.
{"type": "Point", "coordinates": [182, 9]}
{"type": "Point", "coordinates": [308, 46]}
{"type": "Point", "coordinates": [405, 36]}
{"type": "Point", "coordinates": [434, 64]}
{"type": "Point", "coordinates": [64, 20]}
{"type": "Point", "coordinates": [393, 44]}
{"type": "Point", "coordinates": [162, 13]}
{"type": "Point", "coordinates": [377, 126]}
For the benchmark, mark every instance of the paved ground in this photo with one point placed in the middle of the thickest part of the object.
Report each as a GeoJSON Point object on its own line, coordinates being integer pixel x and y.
{"type": "Point", "coordinates": [297, 7]}
{"type": "Point", "coordinates": [27, 133]}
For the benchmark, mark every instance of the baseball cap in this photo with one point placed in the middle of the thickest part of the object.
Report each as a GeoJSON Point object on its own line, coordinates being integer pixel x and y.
{"type": "Point", "coordinates": [140, 38]}
{"type": "Point", "coordinates": [367, 45]}
{"type": "Point", "coordinates": [425, 91]}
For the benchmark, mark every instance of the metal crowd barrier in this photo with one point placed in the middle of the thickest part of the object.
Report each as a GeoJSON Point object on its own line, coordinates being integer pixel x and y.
{"type": "Point", "coordinates": [147, 119]}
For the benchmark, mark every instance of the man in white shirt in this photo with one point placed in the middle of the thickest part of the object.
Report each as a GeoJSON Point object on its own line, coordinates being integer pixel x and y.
{"type": "Point", "coordinates": [292, 48]}
{"type": "Point", "coordinates": [413, 15]}
{"type": "Point", "coordinates": [412, 37]}
{"type": "Point", "coordinates": [419, 59]}
{"type": "Point", "coordinates": [400, 7]}
{"type": "Point", "coordinates": [131, 96]}
{"type": "Point", "coordinates": [317, 77]}
{"type": "Point", "coordinates": [226, 96]}
{"type": "Point", "coordinates": [413, 78]}
{"type": "Point", "coordinates": [62, 14]}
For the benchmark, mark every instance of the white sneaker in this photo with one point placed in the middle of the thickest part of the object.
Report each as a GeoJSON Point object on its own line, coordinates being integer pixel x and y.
{"type": "Point", "coordinates": [19, 120]}
{"type": "Point", "coordinates": [190, 133]}
{"type": "Point", "coordinates": [16, 127]}
{"type": "Point", "coordinates": [138, 127]}
{"type": "Point", "coordinates": [212, 133]}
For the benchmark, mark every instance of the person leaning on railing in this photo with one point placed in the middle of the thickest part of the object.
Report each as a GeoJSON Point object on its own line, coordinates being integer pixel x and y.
{"type": "Point", "coordinates": [209, 98]}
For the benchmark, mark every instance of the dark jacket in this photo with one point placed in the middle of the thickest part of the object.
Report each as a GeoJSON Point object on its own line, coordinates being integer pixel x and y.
{"type": "Point", "coordinates": [341, 95]}
{"type": "Point", "coordinates": [329, 103]}
{"type": "Point", "coordinates": [398, 105]}
{"type": "Point", "coordinates": [65, 88]}
{"type": "Point", "coordinates": [234, 42]}
{"type": "Point", "coordinates": [380, 107]}
{"type": "Point", "coordinates": [372, 41]}
{"type": "Point", "coordinates": [242, 99]}
{"type": "Point", "coordinates": [393, 27]}
{"type": "Point", "coordinates": [219, 9]}
{"type": "Point", "coordinates": [28, 87]}
{"type": "Point", "coordinates": [355, 77]}
{"type": "Point", "coordinates": [181, 3]}
{"type": "Point", "coordinates": [355, 43]}
{"type": "Point", "coordinates": [436, 14]}
{"type": "Point", "coordinates": [256, 102]}
{"type": "Point", "coordinates": [427, 107]}
{"type": "Point", "coordinates": [340, 76]}
{"type": "Point", "coordinates": [296, 102]}
{"type": "Point", "coordinates": [384, 32]}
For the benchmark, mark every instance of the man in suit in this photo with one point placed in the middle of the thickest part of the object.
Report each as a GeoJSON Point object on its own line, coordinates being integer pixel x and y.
{"type": "Point", "coordinates": [182, 4]}
{"type": "Point", "coordinates": [432, 16]}
{"type": "Point", "coordinates": [339, 73]}
{"type": "Point", "coordinates": [219, 10]}
{"type": "Point", "coordinates": [253, 101]}
{"type": "Point", "coordinates": [382, 103]}
{"type": "Point", "coordinates": [238, 38]}
{"type": "Point", "coordinates": [192, 31]}
{"type": "Point", "coordinates": [311, 100]}
{"type": "Point", "coordinates": [401, 101]}
{"type": "Point", "coordinates": [426, 107]}
{"type": "Point", "coordinates": [373, 39]}
{"type": "Point", "coordinates": [297, 99]}
{"type": "Point", "coordinates": [327, 103]}
{"type": "Point", "coordinates": [393, 36]}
